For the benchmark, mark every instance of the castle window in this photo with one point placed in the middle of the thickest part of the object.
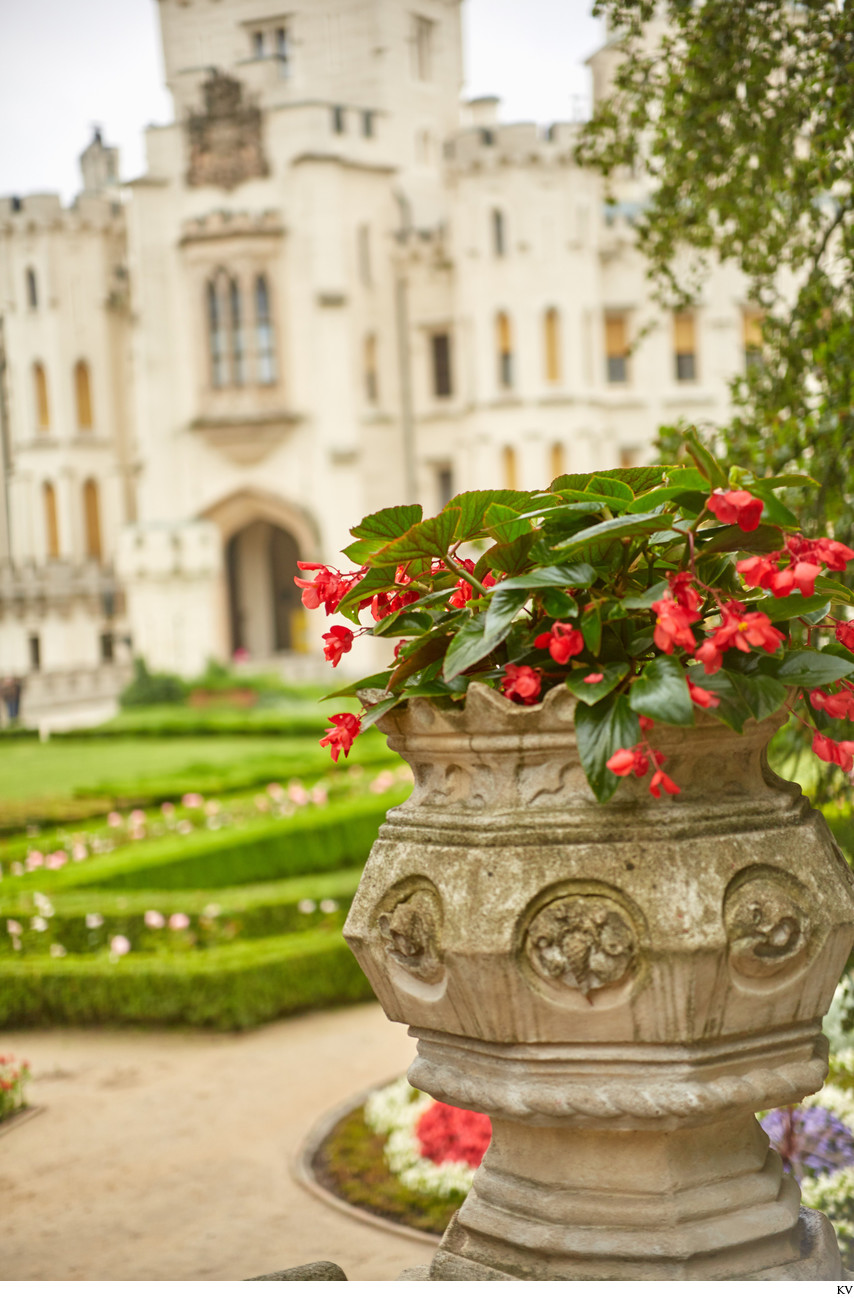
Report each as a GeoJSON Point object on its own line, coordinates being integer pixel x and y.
{"type": "Point", "coordinates": [238, 359]}
{"type": "Point", "coordinates": [441, 352]}
{"type": "Point", "coordinates": [92, 519]}
{"type": "Point", "coordinates": [338, 121]}
{"type": "Point", "coordinates": [499, 241]}
{"type": "Point", "coordinates": [616, 348]}
{"type": "Point", "coordinates": [444, 484]}
{"type": "Point", "coordinates": [51, 521]}
{"type": "Point", "coordinates": [40, 395]}
{"type": "Point", "coordinates": [751, 325]}
{"type": "Point", "coordinates": [107, 647]}
{"type": "Point", "coordinates": [371, 379]}
{"type": "Point", "coordinates": [368, 124]}
{"type": "Point", "coordinates": [265, 350]}
{"type": "Point", "coordinates": [557, 459]}
{"type": "Point", "coordinates": [422, 48]}
{"type": "Point", "coordinates": [282, 51]}
{"type": "Point", "coordinates": [551, 340]}
{"type": "Point", "coordinates": [83, 395]}
{"type": "Point", "coordinates": [510, 468]}
{"type": "Point", "coordinates": [685, 346]}
{"type": "Point", "coordinates": [257, 45]}
{"type": "Point", "coordinates": [217, 336]}
{"type": "Point", "coordinates": [504, 347]}
{"type": "Point", "coordinates": [32, 289]}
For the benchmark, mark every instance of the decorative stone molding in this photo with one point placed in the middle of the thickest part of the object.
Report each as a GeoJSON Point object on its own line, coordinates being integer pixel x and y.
{"type": "Point", "coordinates": [581, 940]}
{"type": "Point", "coordinates": [411, 928]}
{"type": "Point", "coordinates": [768, 930]}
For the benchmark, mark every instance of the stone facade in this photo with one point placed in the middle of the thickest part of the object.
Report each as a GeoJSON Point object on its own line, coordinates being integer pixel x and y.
{"type": "Point", "coordinates": [332, 289]}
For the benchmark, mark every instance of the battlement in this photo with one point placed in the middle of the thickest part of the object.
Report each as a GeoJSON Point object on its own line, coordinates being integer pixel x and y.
{"type": "Point", "coordinates": [34, 213]}
{"type": "Point", "coordinates": [223, 224]}
{"type": "Point", "coordinates": [515, 144]}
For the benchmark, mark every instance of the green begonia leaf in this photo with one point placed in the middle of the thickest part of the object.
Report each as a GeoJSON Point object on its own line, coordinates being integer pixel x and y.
{"type": "Point", "coordinates": [661, 692]}
{"type": "Point", "coordinates": [431, 538]}
{"type": "Point", "coordinates": [387, 524]}
{"type": "Point", "coordinates": [592, 691]}
{"type": "Point", "coordinates": [600, 730]}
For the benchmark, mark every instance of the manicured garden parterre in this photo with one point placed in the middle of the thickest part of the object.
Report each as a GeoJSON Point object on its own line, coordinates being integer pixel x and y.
{"type": "Point", "coordinates": [183, 866]}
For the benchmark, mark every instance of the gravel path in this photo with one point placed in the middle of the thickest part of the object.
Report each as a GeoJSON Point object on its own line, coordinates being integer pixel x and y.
{"type": "Point", "coordinates": [166, 1156]}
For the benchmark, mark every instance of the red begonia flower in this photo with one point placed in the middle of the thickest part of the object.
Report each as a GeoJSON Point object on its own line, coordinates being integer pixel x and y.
{"type": "Point", "coordinates": [661, 780]}
{"type": "Point", "coordinates": [339, 640]}
{"type": "Point", "coordinates": [736, 507]}
{"type": "Point", "coordinates": [845, 634]}
{"type": "Point", "coordinates": [842, 753]}
{"type": "Point", "coordinates": [621, 762]}
{"type": "Point", "coordinates": [646, 724]}
{"type": "Point", "coordinates": [327, 588]}
{"type": "Point", "coordinates": [683, 592]}
{"type": "Point", "coordinates": [710, 656]}
{"type": "Point", "coordinates": [521, 684]}
{"type": "Point", "coordinates": [340, 736]}
{"type": "Point", "coordinates": [562, 641]}
{"type": "Point", "coordinates": [702, 698]}
{"type": "Point", "coordinates": [746, 631]}
{"type": "Point", "coordinates": [838, 705]}
{"type": "Point", "coordinates": [594, 678]}
{"type": "Point", "coordinates": [760, 570]}
{"type": "Point", "coordinates": [820, 550]}
{"type": "Point", "coordinates": [673, 625]}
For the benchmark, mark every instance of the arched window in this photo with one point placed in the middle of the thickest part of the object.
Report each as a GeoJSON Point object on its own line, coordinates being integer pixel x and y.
{"type": "Point", "coordinates": [551, 341]}
{"type": "Point", "coordinates": [92, 519]}
{"type": "Point", "coordinates": [83, 395]}
{"type": "Point", "coordinates": [238, 360]}
{"type": "Point", "coordinates": [499, 239]}
{"type": "Point", "coordinates": [372, 390]}
{"type": "Point", "coordinates": [264, 344]}
{"type": "Point", "coordinates": [558, 460]}
{"type": "Point", "coordinates": [40, 394]}
{"type": "Point", "coordinates": [51, 522]}
{"type": "Point", "coordinates": [216, 335]}
{"type": "Point", "coordinates": [32, 288]}
{"type": "Point", "coordinates": [504, 347]}
{"type": "Point", "coordinates": [509, 467]}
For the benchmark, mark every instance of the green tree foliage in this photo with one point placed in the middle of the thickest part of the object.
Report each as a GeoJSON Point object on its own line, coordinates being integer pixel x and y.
{"type": "Point", "coordinates": [741, 115]}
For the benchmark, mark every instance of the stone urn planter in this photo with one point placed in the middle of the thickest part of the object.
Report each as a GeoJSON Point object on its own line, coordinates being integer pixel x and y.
{"type": "Point", "coordinates": [619, 987]}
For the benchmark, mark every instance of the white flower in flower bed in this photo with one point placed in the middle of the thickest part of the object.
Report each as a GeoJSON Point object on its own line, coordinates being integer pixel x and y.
{"type": "Point", "coordinates": [397, 1110]}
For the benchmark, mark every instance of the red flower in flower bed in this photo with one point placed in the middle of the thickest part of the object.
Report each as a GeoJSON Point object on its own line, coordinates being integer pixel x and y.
{"type": "Point", "coordinates": [447, 1134]}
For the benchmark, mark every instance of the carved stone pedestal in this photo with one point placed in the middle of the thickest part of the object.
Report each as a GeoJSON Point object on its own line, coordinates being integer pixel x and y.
{"type": "Point", "coordinates": [620, 988]}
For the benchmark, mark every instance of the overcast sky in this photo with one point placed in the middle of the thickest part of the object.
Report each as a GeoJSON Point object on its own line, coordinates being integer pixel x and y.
{"type": "Point", "coordinates": [68, 64]}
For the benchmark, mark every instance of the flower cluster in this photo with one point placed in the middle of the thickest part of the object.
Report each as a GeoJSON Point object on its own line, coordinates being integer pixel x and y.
{"type": "Point", "coordinates": [14, 1075]}
{"type": "Point", "coordinates": [659, 593]}
{"type": "Point", "coordinates": [432, 1147]}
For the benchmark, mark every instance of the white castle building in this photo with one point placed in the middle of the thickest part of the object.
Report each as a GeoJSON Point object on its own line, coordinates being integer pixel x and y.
{"type": "Point", "coordinates": [335, 288]}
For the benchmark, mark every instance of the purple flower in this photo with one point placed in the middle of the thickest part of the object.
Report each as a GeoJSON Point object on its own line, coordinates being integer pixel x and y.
{"type": "Point", "coordinates": [810, 1141]}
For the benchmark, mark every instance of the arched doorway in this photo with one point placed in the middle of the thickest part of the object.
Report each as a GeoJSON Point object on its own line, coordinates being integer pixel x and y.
{"type": "Point", "coordinates": [263, 602]}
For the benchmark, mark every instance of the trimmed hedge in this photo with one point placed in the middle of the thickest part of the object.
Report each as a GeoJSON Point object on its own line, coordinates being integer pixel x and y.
{"type": "Point", "coordinates": [314, 841]}
{"type": "Point", "coordinates": [257, 911]}
{"type": "Point", "coordinates": [231, 987]}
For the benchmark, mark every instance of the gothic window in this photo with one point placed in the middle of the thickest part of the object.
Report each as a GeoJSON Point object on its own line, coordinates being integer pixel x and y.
{"type": "Point", "coordinates": [616, 347]}
{"type": "Point", "coordinates": [264, 341]}
{"type": "Point", "coordinates": [51, 522]}
{"type": "Point", "coordinates": [217, 335]}
{"type": "Point", "coordinates": [442, 380]}
{"type": "Point", "coordinates": [282, 51]}
{"type": "Point", "coordinates": [551, 340]}
{"type": "Point", "coordinates": [363, 252]}
{"type": "Point", "coordinates": [32, 288]}
{"type": "Point", "coordinates": [258, 45]}
{"type": "Point", "coordinates": [510, 468]}
{"type": "Point", "coordinates": [92, 519]}
{"type": "Point", "coordinates": [751, 325]}
{"type": "Point", "coordinates": [504, 346]}
{"type": "Point", "coordinates": [499, 240]}
{"type": "Point", "coordinates": [422, 48]}
{"type": "Point", "coordinates": [238, 359]}
{"type": "Point", "coordinates": [40, 395]}
{"type": "Point", "coordinates": [338, 120]}
{"type": "Point", "coordinates": [83, 395]}
{"type": "Point", "coordinates": [557, 460]}
{"type": "Point", "coordinates": [370, 370]}
{"type": "Point", "coordinates": [685, 346]}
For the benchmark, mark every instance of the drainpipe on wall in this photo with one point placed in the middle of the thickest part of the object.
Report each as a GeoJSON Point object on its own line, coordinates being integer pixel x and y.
{"type": "Point", "coordinates": [401, 303]}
